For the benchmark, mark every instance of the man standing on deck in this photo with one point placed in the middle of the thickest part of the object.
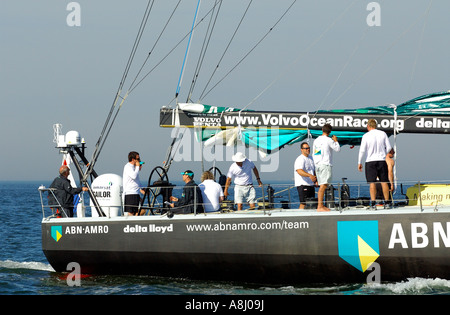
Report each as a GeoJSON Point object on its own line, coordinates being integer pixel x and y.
{"type": "Point", "coordinates": [64, 191]}
{"type": "Point", "coordinates": [305, 175]}
{"type": "Point", "coordinates": [375, 144]}
{"type": "Point", "coordinates": [241, 172]}
{"type": "Point", "coordinates": [323, 148]}
{"type": "Point", "coordinates": [131, 183]}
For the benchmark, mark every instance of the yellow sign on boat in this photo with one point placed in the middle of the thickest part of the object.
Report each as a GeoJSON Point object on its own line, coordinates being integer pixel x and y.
{"type": "Point", "coordinates": [431, 194]}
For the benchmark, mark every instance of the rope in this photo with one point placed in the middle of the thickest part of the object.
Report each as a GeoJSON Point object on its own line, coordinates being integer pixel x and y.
{"type": "Point", "coordinates": [395, 145]}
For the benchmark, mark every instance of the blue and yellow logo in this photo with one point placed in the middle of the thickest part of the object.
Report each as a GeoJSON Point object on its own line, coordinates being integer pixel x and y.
{"type": "Point", "coordinates": [56, 232]}
{"type": "Point", "coordinates": [358, 243]}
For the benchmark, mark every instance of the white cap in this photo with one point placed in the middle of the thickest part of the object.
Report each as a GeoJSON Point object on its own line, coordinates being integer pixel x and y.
{"type": "Point", "coordinates": [239, 157]}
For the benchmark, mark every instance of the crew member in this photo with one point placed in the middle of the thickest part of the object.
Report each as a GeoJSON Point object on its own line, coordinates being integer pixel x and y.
{"type": "Point", "coordinates": [131, 183]}
{"type": "Point", "coordinates": [305, 175]}
{"type": "Point", "coordinates": [64, 191]}
{"type": "Point", "coordinates": [191, 196]}
{"type": "Point", "coordinates": [241, 172]}
{"type": "Point", "coordinates": [375, 144]}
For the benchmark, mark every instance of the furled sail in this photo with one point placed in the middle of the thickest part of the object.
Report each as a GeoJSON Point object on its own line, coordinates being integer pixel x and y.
{"type": "Point", "coordinates": [437, 104]}
{"type": "Point", "coordinates": [269, 131]}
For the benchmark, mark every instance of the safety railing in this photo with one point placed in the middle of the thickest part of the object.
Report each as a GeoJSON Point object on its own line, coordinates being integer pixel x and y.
{"type": "Point", "coordinates": [52, 205]}
{"type": "Point", "coordinates": [339, 196]}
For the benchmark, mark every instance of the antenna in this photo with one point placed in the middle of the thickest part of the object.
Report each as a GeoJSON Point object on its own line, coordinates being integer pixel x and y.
{"type": "Point", "coordinates": [58, 137]}
{"type": "Point", "coordinates": [56, 132]}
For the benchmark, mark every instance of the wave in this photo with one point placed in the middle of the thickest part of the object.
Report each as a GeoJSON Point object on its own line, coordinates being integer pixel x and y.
{"type": "Point", "coordinates": [31, 265]}
{"type": "Point", "coordinates": [412, 286]}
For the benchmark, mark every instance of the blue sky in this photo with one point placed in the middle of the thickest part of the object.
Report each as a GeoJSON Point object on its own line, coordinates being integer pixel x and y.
{"type": "Point", "coordinates": [323, 53]}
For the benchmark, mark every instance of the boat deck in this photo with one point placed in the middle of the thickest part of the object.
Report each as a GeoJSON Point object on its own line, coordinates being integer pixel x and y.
{"type": "Point", "coordinates": [351, 211]}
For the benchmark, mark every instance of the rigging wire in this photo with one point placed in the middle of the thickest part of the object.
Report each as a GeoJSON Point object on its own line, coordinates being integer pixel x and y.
{"type": "Point", "coordinates": [378, 59]}
{"type": "Point", "coordinates": [251, 50]}
{"type": "Point", "coordinates": [137, 41]}
{"type": "Point", "coordinates": [178, 136]}
{"type": "Point", "coordinates": [204, 48]}
{"type": "Point", "coordinates": [169, 158]}
{"type": "Point", "coordinates": [153, 47]}
{"type": "Point", "coordinates": [413, 70]}
{"type": "Point", "coordinates": [290, 67]}
{"type": "Point", "coordinates": [343, 70]}
{"type": "Point", "coordinates": [114, 108]}
{"type": "Point", "coordinates": [108, 123]}
{"type": "Point", "coordinates": [226, 49]}
{"type": "Point", "coordinates": [180, 79]}
{"type": "Point", "coordinates": [171, 51]}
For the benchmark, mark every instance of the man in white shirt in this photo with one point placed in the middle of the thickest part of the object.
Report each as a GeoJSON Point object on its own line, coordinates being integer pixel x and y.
{"type": "Point", "coordinates": [375, 144]}
{"type": "Point", "coordinates": [131, 183]}
{"type": "Point", "coordinates": [323, 148]}
{"type": "Point", "coordinates": [305, 175]}
{"type": "Point", "coordinates": [241, 172]}
{"type": "Point", "coordinates": [212, 192]}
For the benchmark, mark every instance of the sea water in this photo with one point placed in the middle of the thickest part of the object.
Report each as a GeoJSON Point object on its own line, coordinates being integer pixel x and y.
{"type": "Point", "coordinates": [25, 270]}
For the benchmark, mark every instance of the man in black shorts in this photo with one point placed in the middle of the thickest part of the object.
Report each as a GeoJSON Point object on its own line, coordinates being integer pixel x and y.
{"type": "Point", "coordinates": [131, 184]}
{"type": "Point", "coordinates": [305, 175]}
{"type": "Point", "coordinates": [375, 144]}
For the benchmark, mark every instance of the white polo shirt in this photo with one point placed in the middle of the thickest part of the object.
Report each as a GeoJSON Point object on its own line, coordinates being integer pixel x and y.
{"type": "Point", "coordinates": [306, 164]}
{"type": "Point", "coordinates": [241, 175]}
